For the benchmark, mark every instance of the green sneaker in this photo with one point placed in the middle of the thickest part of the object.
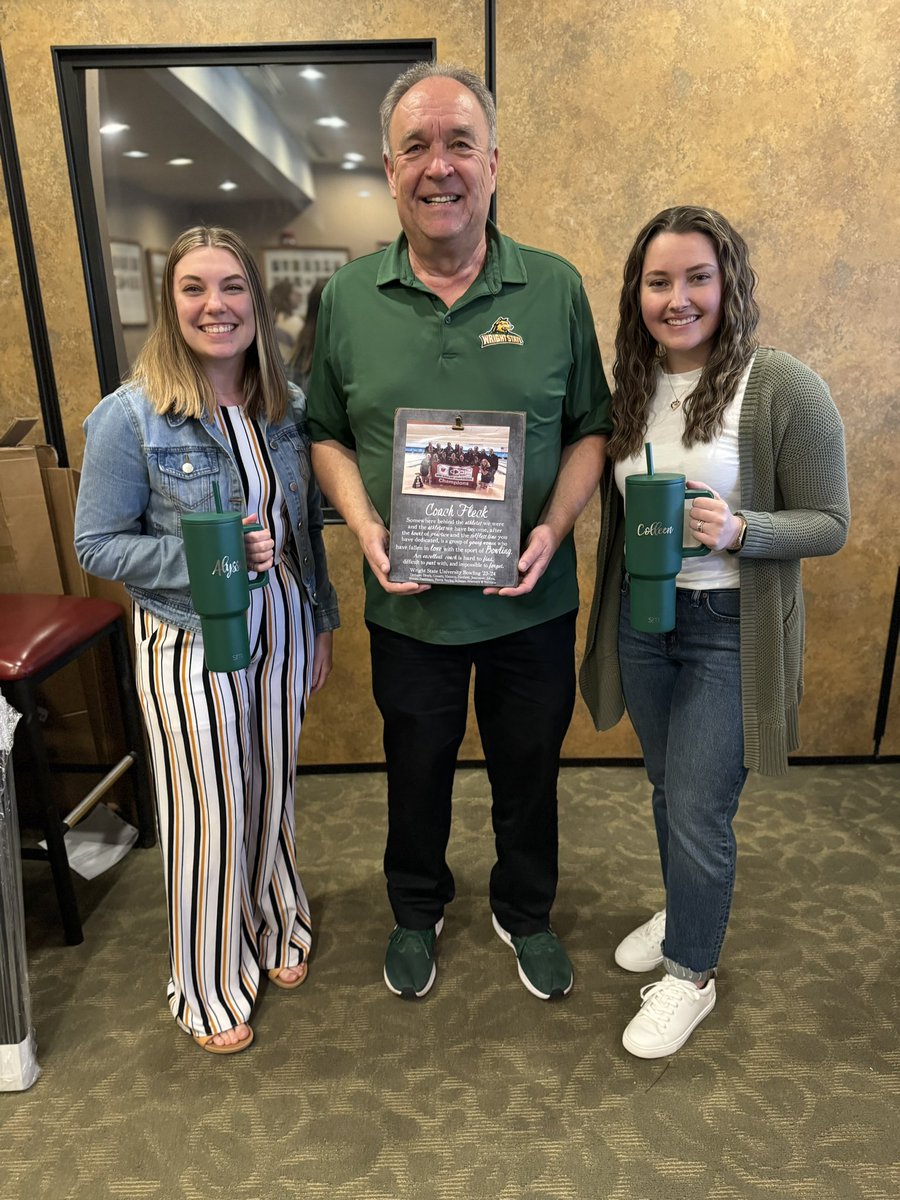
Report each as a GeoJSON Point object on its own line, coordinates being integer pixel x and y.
{"type": "Point", "coordinates": [409, 968]}
{"type": "Point", "coordinates": [544, 966]}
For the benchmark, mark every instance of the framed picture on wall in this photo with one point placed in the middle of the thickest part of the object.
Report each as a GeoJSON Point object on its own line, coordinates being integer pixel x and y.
{"type": "Point", "coordinates": [127, 260]}
{"type": "Point", "coordinates": [301, 266]}
{"type": "Point", "coordinates": [156, 264]}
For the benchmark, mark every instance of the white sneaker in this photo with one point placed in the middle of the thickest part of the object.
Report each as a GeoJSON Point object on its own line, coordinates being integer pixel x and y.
{"type": "Point", "coordinates": [671, 1010]}
{"type": "Point", "coordinates": [642, 949]}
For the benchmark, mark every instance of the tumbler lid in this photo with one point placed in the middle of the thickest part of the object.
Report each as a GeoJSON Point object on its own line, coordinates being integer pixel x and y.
{"type": "Point", "coordinates": [656, 477]}
{"type": "Point", "coordinates": [209, 518]}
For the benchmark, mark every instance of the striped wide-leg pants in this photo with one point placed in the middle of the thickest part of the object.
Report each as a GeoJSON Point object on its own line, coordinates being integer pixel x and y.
{"type": "Point", "coordinates": [224, 754]}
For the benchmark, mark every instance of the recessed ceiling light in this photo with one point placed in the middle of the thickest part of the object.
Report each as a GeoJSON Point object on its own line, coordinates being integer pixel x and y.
{"type": "Point", "coordinates": [364, 195]}
{"type": "Point", "coordinates": [180, 162]}
{"type": "Point", "coordinates": [348, 166]}
{"type": "Point", "coordinates": [134, 154]}
{"type": "Point", "coordinates": [227, 186]}
{"type": "Point", "coordinates": [311, 73]}
{"type": "Point", "coordinates": [114, 127]}
{"type": "Point", "coordinates": [332, 122]}
{"type": "Point", "coordinates": [352, 156]}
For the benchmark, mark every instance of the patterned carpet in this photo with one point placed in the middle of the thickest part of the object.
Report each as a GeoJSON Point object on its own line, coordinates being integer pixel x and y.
{"type": "Point", "coordinates": [481, 1092]}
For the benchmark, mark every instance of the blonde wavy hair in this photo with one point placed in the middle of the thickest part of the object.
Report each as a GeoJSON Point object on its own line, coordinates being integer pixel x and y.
{"type": "Point", "coordinates": [638, 355]}
{"type": "Point", "coordinates": [170, 372]}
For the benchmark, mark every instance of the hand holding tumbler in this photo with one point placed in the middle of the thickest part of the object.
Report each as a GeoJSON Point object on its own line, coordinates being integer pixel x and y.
{"type": "Point", "coordinates": [654, 523]}
{"type": "Point", "coordinates": [220, 586]}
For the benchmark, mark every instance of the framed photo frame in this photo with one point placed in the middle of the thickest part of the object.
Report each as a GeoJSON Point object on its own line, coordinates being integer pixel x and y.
{"type": "Point", "coordinates": [156, 264]}
{"type": "Point", "coordinates": [127, 260]}
{"type": "Point", "coordinates": [301, 266]}
{"type": "Point", "coordinates": [456, 497]}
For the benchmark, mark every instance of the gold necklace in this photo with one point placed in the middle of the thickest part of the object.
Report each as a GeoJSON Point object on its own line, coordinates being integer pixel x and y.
{"type": "Point", "coordinates": [676, 399]}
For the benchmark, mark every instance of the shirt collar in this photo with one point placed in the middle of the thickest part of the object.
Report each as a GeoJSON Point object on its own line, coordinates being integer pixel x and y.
{"type": "Point", "coordinates": [503, 263]}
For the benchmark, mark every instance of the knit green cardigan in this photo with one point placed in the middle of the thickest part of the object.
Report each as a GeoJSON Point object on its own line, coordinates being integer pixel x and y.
{"type": "Point", "coordinates": [795, 501]}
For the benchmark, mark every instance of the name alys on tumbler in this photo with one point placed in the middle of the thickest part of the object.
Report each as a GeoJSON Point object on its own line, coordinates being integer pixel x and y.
{"type": "Point", "coordinates": [226, 567]}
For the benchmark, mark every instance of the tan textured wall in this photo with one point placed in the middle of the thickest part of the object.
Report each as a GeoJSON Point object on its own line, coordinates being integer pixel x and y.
{"type": "Point", "coordinates": [779, 116]}
{"type": "Point", "coordinates": [18, 386]}
{"type": "Point", "coordinates": [782, 117]}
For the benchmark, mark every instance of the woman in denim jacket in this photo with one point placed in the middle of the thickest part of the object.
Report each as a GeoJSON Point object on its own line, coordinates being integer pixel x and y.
{"type": "Point", "coordinates": [208, 403]}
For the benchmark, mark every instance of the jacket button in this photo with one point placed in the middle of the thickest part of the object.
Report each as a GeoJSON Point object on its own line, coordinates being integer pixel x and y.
{"type": "Point", "coordinates": [273, 445]}
{"type": "Point", "coordinates": [305, 559]}
{"type": "Point", "coordinates": [293, 487]}
{"type": "Point", "coordinates": [187, 468]}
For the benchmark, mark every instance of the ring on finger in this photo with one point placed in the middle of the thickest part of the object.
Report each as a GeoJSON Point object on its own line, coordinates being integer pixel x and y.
{"type": "Point", "coordinates": [699, 526]}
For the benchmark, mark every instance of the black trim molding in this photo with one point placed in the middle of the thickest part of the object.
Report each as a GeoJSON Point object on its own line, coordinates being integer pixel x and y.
{"type": "Point", "coordinates": [474, 764]}
{"type": "Point", "coordinates": [490, 70]}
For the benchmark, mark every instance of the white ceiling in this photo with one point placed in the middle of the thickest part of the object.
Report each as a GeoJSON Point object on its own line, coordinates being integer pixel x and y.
{"type": "Point", "coordinates": [164, 128]}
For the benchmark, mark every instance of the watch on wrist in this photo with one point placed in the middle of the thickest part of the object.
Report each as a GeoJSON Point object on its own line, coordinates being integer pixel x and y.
{"type": "Point", "coordinates": [738, 544]}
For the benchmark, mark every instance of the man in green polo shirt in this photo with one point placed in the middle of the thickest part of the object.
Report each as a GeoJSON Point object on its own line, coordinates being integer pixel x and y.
{"type": "Point", "coordinates": [413, 326]}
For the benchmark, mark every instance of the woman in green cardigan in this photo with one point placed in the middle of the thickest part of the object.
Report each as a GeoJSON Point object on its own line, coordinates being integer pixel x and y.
{"type": "Point", "coordinates": [719, 694]}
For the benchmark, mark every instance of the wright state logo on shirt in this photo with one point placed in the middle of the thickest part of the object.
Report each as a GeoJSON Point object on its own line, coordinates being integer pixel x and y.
{"type": "Point", "coordinates": [501, 334]}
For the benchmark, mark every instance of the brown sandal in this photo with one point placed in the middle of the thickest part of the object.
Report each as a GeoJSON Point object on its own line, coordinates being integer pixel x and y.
{"type": "Point", "coordinates": [275, 976]}
{"type": "Point", "coordinates": [206, 1043]}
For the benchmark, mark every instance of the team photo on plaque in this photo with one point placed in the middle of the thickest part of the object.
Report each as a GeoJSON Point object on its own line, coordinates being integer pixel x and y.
{"type": "Point", "coordinates": [456, 497]}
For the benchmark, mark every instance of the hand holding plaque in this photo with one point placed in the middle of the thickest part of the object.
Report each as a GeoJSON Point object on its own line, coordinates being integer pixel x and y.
{"type": "Point", "coordinates": [456, 497]}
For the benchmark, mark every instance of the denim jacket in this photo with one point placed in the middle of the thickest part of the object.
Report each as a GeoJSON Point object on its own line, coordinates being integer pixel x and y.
{"type": "Point", "coordinates": [134, 489]}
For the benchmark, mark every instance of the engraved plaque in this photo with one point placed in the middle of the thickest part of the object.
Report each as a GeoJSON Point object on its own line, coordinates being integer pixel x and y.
{"type": "Point", "coordinates": [456, 497]}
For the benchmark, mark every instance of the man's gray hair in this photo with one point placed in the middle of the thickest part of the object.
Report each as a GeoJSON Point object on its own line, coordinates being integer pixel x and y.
{"type": "Point", "coordinates": [432, 70]}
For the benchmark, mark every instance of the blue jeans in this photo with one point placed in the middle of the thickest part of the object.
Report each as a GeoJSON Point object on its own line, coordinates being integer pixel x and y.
{"type": "Point", "coordinates": [683, 695]}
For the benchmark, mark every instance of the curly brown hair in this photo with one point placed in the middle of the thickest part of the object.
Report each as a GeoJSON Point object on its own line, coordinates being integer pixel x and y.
{"type": "Point", "coordinates": [637, 354]}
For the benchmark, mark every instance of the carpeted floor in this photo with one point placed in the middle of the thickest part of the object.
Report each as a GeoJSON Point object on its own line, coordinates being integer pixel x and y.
{"type": "Point", "coordinates": [790, 1088]}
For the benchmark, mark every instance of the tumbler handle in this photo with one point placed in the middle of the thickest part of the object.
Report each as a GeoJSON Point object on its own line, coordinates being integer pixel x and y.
{"type": "Point", "coordinates": [262, 577]}
{"type": "Point", "coordinates": [695, 551]}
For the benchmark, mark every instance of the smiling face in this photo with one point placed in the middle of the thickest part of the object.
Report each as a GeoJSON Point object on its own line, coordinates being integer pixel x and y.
{"type": "Point", "coordinates": [681, 297]}
{"type": "Point", "coordinates": [214, 306]}
{"type": "Point", "coordinates": [443, 174]}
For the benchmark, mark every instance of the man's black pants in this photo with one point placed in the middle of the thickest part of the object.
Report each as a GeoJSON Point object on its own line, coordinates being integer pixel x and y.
{"type": "Point", "coordinates": [524, 696]}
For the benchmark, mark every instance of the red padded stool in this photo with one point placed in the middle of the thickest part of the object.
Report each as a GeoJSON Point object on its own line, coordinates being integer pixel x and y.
{"type": "Point", "coordinates": [40, 635]}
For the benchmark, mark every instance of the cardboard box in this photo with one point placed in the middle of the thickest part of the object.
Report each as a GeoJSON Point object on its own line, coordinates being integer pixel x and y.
{"type": "Point", "coordinates": [61, 492]}
{"type": "Point", "coordinates": [98, 681]}
{"type": "Point", "coordinates": [28, 560]}
{"type": "Point", "coordinates": [37, 555]}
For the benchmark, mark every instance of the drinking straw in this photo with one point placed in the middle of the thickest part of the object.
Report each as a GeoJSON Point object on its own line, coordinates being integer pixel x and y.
{"type": "Point", "coordinates": [218, 498]}
{"type": "Point", "coordinates": [648, 450]}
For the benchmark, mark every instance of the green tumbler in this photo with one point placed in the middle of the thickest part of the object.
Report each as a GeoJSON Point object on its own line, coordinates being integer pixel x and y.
{"type": "Point", "coordinates": [220, 587]}
{"type": "Point", "coordinates": [654, 523]}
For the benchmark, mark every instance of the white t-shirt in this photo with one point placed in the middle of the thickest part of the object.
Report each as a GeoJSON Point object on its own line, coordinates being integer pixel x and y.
{"type": "Point", "coordinates": [714, 464]}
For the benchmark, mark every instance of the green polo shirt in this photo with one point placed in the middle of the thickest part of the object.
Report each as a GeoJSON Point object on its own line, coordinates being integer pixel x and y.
{"type": "Point", "coordinates": [384, 341]}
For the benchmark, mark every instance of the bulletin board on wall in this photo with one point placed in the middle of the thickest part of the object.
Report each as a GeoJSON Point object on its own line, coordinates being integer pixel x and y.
{"type": "Point", "coordinates": [156, 265]}
{"type": "Point", "coordinates": [127, 260]}
{"type": "Point", "coordinates": [301, 266]}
